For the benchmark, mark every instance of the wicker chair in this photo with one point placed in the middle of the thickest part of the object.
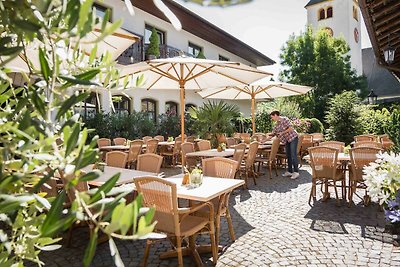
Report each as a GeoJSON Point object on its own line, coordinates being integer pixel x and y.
{"type": "Point", "coordinates": [160, 138]}
{"type": "Point", "coordinates": [116, 159]}
{"type": "Point", "coordinates": [364, 137]}
{"type": "Point", "coordinates": [177, 223]}
{"type": "Point", "coordinates": [119, 141]}
{"type": "Point", "coordinates": [306, 142]}
{"type": "Point", "coordinates": [334, 144]}
{"type": "Point", "coordinates": [151, 146]}
{"type": "Point", "coordinates": [188, 162]}
{"type": "Point", "coordinates": [368, 144]}
{"type": "Point", "coordinates": [360, 157]}
{"type": "Point", "coordinates": [324, 165]}
{"type": "Point", "coordinates": [221, 168]}
{"type": "Point", "coordinates": [174, 153]}
{"type": "Point", "coordinates": [238, 154]}
{"type": "Point", "coordinates": [204, 145]}
{"type": "Point", "coordinates": [190, 139]}
{"type": "Point", "coordinates": [260, 137]}
{"type": "Point", "coordinates": [248, 166]}
{"type": "Point", "coordinates": [319, 136]}
{"type": "Point", "coordinates": [386, 142]}
{"type": "Point", "coordinates": [230, 142]}
{"type": "Point", "coordinates": [246, 138]}
{"type": "Point", "coordinates": [270, 158]}
{"type": "Point", "coordinates": [149, 163]}
{"type": "Point", "coordinates": [146, 138]}
{"type": "Point", "coordinates": [103, 142]}
{"type": "Point", "coordinates": [134, 151]}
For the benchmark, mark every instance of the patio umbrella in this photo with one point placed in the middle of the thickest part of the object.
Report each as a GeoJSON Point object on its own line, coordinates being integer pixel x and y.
{"type": "Point", "coordinates": [185, 73]}
{"type": "Point", "coordinates": [115, 43]}
{"type": "Point", "coordinates": [257, 90]}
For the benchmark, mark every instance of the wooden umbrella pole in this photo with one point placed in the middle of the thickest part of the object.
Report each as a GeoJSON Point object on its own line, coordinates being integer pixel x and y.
{"type": "Point", "coordinates": [182, 89]}
{"type": "Point", "coordinates": [253, 116]}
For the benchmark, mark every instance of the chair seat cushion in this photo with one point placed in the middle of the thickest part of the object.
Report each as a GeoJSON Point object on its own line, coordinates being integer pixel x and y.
{"type": "Point", "coordinates": [188, 226]}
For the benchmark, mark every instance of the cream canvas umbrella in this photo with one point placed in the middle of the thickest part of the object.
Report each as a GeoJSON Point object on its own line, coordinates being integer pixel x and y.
{"type": "Point", "coordinates": [185, 73]}
{"type": "Point", "coordinates": [115, 44]}
{"type": "Point", "coordinates": [257, 90]}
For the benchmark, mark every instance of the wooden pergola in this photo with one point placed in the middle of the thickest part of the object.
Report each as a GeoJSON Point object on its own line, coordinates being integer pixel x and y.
{"type": "Point", "coordinates": [382, 18]}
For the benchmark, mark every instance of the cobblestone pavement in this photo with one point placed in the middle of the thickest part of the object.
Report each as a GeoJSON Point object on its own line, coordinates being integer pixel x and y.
{"type": "Point", "coordinates": [274, 226]}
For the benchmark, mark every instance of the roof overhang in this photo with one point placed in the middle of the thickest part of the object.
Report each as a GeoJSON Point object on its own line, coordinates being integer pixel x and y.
{"type": "Point", "coordinates": [382, 19]}
{"type": "Point", "coordinates": [200, 27]}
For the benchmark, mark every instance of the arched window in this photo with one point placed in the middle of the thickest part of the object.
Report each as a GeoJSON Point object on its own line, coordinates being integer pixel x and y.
{"type": "Point", "coordinates": [122, 104]}
{"type": "Point", "coordinates": [89, 107]}
{"type": "Point", "coordinates": [329, 12]}
{"type": "Point", "coordinates": [149, 106]}
{"type": "Point", "coordinates": [189, 105]}
{"type": "Point", "coordinates": [321, 14]}
{"type": "Point", "coordinates": [171, 108]}
{"type": "Point", "coordinates": [329, 31]}
{"type": "Point", "coordinates": [355, 13]}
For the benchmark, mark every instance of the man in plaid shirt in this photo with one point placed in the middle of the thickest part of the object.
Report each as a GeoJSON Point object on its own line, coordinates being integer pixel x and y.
{"type": "Point", "coordinates": [288, 136]}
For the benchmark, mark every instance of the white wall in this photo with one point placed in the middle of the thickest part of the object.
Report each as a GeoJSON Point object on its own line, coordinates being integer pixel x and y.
{"type": "Point", "coordinates": [176, 39]}
{"type": "Point", "coordinates": [342, 23]}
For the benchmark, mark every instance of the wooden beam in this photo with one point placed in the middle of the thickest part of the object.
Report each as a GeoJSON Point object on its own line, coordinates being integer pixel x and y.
{"type": "Point", "coordinates": [389, 27]}
{"type": "Point", "coordinates": [388, 18]}
{"type": "Point", "coordinates": [376, 14]}
{"type": "Point", "coordinates": [384, 36]}
{"type": "Point", "coordinates": [370, 28]}
{"type": "Point", "coordinates": [375, 4]}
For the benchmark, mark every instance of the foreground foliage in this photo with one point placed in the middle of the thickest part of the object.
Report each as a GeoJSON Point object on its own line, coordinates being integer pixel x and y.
{"type": "Point", "coordinates": [42, 138]}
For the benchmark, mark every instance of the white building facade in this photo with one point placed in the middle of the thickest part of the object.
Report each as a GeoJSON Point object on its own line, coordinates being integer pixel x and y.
{"type": "Point", "coordinates": [197, 35]}
{"type": "Point", "coordinates": [340, 18]}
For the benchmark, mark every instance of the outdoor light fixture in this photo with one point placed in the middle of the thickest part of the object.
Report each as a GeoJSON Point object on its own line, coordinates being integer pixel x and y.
{"type": "Point", "coordinates": [372, 97]}
{"type": "Point", "coordinates": [389, 52]}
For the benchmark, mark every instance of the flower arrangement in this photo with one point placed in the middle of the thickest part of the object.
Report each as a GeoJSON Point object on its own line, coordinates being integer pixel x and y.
{"type": "Point", "coordinates": [196, 177]}
{"type": "Point", "coordinates": [170, 139]}
{"type": "Point", "coordinates": [221, 147]}
{"type": "Point", "coordinates": [300, 125]}
{"type": "Point", "coordinates": [382, 178]}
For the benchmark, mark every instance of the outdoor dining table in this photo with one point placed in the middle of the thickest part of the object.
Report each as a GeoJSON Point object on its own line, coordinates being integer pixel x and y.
{"type": "Point", "coordinates": [116, 147]}
{"type": "Point", "coordinates": [210, 153]}
{"type": "Point", "coordinates": [126, 175]}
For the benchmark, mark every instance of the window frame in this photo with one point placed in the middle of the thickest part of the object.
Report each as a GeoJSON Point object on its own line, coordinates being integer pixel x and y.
{"type": "Point", "coordinates": [154, 102]}
{"type": "Point", "coordinates": [194, 46]}
{"type": "Point", "coordinates": [119, 109]}
{"type": "Point", "coordinates": [103, 8]}
{"type": "Point", "coordinates": [189, 105]}
{"type": "Point", "coordinates": [355, 13]}
{"type": "Point", "coordinates": [222, 58]}
{"type": "Point", "coordinates": [327, 12]}
{"type": "Point", "coordinates": [83, 107]}
{"type": "Point", "coordinates": [169, 105]}
{"type": "Point", "coordinates": [319, 14]}
{"type": "Point", "coordinates": [161, 33]}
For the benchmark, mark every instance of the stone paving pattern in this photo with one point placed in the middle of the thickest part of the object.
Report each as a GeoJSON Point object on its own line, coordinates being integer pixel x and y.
{"type": "Point", "coordinates": [274, 226]}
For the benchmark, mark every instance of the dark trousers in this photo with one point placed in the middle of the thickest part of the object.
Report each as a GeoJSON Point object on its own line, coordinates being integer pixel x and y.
{"type": "Point", "coordinates": [291, 154]}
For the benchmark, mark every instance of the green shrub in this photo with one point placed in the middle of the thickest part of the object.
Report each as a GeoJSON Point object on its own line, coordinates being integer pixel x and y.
{"type": "Point", "coordinates": [343, 117]}
{"type": "Point", "coordinates": [392, 128]}
{"type": "Point", "coordinates": [169, 125]}
{"type": "Point", "coordinates": [316, 126]}
{"type": "Point", "coordinates": [154, 45]}
{"type": "Point", "coordinates": [301, 125]}
{"type": "Point", "coordinates": [374, 121]}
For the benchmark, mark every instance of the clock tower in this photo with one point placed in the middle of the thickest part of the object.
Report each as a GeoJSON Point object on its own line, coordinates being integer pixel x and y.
{"type": "Point", "coordinates": [340, 18]}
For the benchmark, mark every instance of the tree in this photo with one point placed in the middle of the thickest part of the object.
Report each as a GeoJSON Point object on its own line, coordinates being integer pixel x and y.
{"type": "Point", "coordinates": [201, 55]}
{"type": "Point", "coordinates": [154, 45]}
{"type": "Point", "coordinates": [343, 117]}
{"type": "Point", "coordinates": [320, 61]}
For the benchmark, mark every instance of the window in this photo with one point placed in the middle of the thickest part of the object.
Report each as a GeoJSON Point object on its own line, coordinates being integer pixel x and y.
{"type": "Point", "coordinates": [89, 107]}
{"type": "Point", "coordinates": [171, 108]}
{"type": "Point", "coordinates": [329, 31]}
{"type": "Point", "coordinates": [355, 13]}
{"type": "Point", "coordinates": [194, 50]}
{"type": "Point", "coordinates": [149, 106]}
{"type": "Point", "coordinates": [329, 12]}
{"type": "Point", "coordinates": [222, 58]}
{"type": "Point", "coordinates": [122, 104]}
{"type": "Point", "coordinates": [147, 33]}
{"type": "Point", "coordinates": [101, 10]}
{"type": "Point", "coordinates": [189, 105]}
{"type": "Point", "coordinates": [321, 14]}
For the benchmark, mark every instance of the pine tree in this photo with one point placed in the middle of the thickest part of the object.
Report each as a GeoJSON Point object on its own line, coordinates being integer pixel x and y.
{"type": "Point", "coordinates": [154, 45]}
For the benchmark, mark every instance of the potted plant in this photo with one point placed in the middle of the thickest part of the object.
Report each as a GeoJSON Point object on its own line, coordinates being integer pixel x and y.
{"type": "Point", "coordinates": [153, 50]}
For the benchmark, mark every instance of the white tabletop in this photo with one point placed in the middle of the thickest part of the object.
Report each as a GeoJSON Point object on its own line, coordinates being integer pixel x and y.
{"type": "Point", "coordinates": [119, 147]}
{"type": "Point", "coordinates": [126, 176]}
{"type": "Point", "coordinates": [212, 153]}
{"type": "Point", "coordinates": [211, 188]}
{"type": "Point", "coordinates": [166, 143]}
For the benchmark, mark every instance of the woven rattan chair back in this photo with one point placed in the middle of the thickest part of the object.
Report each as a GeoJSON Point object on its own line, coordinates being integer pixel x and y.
{"type": "Point", "coordinates": [190, 139]}
{"type": "Point", "coordinates": [368, 144]}
{"type": "Point", "coordinates": [146, 138]}
{"type": "Point", "coordinates": [246, 137]}
{"type": "Point", "coordinates": [189, 162]}
{"type": "Point", "coordinates": [177, 146]}
{"type": "Point", "coordinates": [219, 167]}
{"type": "Point", "coordinates": [230, 142]}
{"type": "Point", "coordinates": [151, 146]}
{"type": "Point", "coordinates": [360, 157]}
{"type": "Point", "coordinates": [324, 162]}
{"type": "Point", "coordinates": [363, 137]}
{"type": "Point", "coordinates": [135, 149]}
{"type": "Point", "coordinates": [204, 145]}
{"type": "Point", "coordinates": [251, 154]}
{"type": "Point", "coordinates": [116, 159]}
{"type": "Point", "coordinates": [149, 162]}
{"type": "Point", "coordinates": [119, 141]}
{"type": "Point", "coordinates": [238, 154]}
{"type": "Point", "coordinates": [260, 137]}
{"type": "Point", "coordinates": [274, 148]}
{"type": "Point", "coordinates": [236, 135]}
{"type": "Point", "coordinates": [384, 138]}
{"type": "Point", "coordinates": [103, 142]}
{"type": "Point", "coordinates": [335, 144]}
{"type": "Point", "coordinates": [308, 139]}
{"type": "Point", "coordinates": [318, 136]}
{"type": "Point", "coordinates": [160, 138]}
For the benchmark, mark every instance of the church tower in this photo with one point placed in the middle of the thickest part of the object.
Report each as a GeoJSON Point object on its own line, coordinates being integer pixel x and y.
{"type": "Point", "coordinates": [340, 18]}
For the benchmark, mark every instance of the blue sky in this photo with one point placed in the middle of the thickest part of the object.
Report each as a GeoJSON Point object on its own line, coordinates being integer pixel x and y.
{"type": "Point", "coordinates": [264, 24]}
